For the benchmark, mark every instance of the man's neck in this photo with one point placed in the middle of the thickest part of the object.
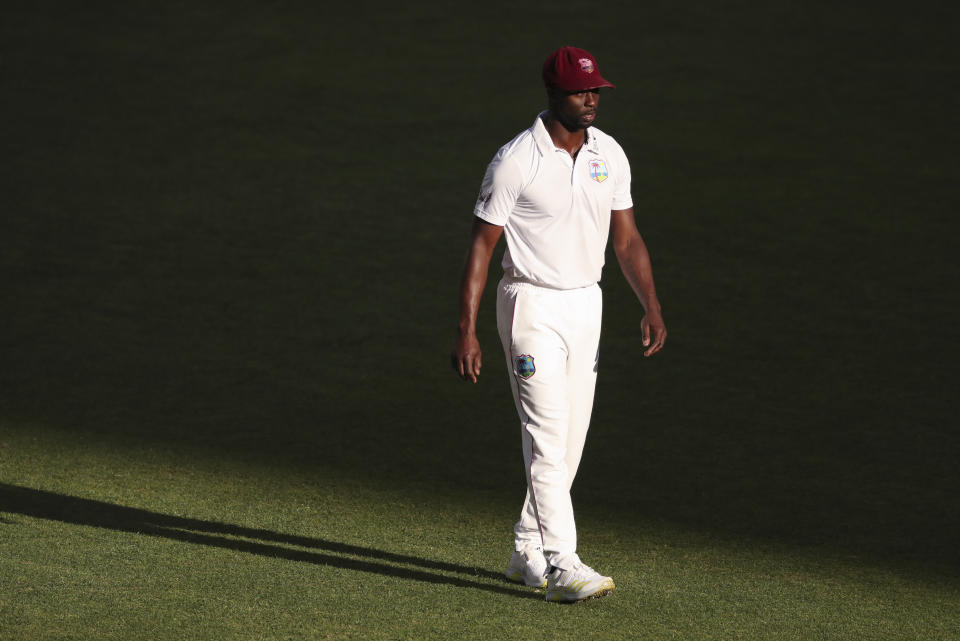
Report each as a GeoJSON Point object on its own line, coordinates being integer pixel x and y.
{"type": "Point", "coordinates": [571, 141]}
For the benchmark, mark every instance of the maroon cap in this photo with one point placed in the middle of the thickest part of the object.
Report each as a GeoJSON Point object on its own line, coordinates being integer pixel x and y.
{"type": "Point", "coordinates": [573, 69]}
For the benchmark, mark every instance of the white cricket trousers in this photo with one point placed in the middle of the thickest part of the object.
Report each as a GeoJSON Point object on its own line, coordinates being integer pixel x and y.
{"type": "Point", "coordinates": [551, 339]}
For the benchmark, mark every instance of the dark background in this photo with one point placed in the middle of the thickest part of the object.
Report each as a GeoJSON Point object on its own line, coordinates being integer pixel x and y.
{"type": "Point", "coordinates": [242, 229]}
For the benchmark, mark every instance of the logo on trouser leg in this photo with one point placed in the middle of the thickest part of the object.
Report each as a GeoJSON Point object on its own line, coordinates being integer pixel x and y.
{"type": "Point", "coordinates": [525, 366]}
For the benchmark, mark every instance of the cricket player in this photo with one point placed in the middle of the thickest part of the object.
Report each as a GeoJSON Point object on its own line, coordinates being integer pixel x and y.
{"type": "Point", "coordinates": [557, 191]}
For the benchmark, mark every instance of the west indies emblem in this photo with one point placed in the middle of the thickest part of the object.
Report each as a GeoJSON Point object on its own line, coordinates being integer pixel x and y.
{"type": "Point", "coordinates": [525, 366]}
{"type": "Point", "coordinates": [598, 170]}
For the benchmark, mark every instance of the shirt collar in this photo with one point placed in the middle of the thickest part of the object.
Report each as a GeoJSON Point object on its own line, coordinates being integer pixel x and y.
{"type": "Point", "coordinates": [545, 143]}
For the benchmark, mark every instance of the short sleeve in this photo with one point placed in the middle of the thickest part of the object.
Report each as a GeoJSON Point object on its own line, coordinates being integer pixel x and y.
{"type": "Point", "coordinates": [499, 191]}
{"type": "Point", "coordinates": [621, 193]}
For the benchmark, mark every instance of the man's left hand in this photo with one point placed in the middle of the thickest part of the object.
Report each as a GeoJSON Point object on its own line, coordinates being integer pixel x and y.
{"type": "Point", "coordinates": [654, 333]}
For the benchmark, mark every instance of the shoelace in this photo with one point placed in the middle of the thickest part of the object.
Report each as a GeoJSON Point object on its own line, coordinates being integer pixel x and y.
{"type": "Point", "coordinates": [582, 568]}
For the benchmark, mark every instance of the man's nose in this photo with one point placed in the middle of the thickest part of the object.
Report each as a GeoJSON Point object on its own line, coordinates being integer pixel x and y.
{"type": "Point", "coordinates": [591, 99]}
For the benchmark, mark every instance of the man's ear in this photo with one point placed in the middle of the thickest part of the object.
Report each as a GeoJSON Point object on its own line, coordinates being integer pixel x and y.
{"type": "Point", "coordinates": [552, 95]}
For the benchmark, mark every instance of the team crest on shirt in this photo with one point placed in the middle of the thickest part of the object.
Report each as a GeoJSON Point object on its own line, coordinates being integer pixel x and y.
{"type": "Point", "coordinates": [586, 64]}
{"type": "Point", "coordinates": [525, 366]}
{"type": "Point", "coordinates": [598, 170]}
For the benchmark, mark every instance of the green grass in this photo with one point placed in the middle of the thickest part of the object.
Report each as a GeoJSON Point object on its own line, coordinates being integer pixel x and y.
{"type": "Point", "coordinates": [171, 544]}
{"type": "Point", "coordinates": [231, 242]}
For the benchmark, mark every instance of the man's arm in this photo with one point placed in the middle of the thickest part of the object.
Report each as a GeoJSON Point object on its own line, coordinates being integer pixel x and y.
{"type": "Point", "coordinates": [465, 357]}
{"type": "Point", "coordinates": [635, 262]}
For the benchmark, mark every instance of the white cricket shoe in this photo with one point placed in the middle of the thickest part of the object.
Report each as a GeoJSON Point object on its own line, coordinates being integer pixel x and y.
{"type": "Point", "coordinates": [576, 583]}
{"type": "Point", "coordinates": [529, 567]}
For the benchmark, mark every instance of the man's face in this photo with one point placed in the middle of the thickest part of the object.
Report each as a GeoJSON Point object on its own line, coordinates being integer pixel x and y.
{"type": "Point", "coordinates": [576, 110]}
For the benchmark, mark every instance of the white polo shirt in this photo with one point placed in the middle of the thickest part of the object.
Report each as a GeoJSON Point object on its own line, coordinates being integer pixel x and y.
{"type": "Point", "coordinates": [555, 210]}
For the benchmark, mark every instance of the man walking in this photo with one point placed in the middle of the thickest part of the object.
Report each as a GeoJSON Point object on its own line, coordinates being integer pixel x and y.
{"type": "Point", "coordinates": [557, 191]}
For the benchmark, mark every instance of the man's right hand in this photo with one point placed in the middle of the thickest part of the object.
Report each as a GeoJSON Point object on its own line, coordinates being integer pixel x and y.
{"type": "Point", "coordinates": [466, 356]}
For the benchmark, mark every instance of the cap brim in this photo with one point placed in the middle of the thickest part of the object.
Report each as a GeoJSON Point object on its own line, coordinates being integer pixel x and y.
{"type": "Point", "coordinates": [604, 83]}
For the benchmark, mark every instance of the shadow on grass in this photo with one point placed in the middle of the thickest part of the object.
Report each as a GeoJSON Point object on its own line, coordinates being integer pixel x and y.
{"type": "Point", "coordinates": [78, 511]}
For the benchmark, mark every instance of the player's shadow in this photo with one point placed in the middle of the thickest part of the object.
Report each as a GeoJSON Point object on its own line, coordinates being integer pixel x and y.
{"type": "Point", "coordinates": [78, 511]}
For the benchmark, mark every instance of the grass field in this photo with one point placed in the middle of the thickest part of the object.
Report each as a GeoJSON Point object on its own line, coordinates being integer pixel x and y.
{"type": "Point", "coordinates": [231, 241]}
